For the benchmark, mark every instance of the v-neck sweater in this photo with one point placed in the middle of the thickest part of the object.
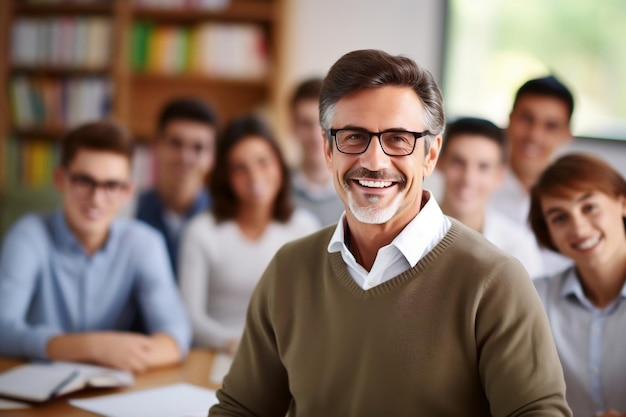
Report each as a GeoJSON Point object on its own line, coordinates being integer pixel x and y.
{"type": "Point", "coordinates": [463, 332]}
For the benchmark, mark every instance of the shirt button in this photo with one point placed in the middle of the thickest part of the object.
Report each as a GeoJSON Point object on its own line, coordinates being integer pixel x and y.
{"type": "Point", "coordinates": [370, 283]}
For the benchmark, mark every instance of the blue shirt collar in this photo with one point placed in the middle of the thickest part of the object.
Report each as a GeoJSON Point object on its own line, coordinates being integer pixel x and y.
{"type": "Point", "coordinates": [572, 287]}
{"type": "Point", "coordinates": [202, 201]}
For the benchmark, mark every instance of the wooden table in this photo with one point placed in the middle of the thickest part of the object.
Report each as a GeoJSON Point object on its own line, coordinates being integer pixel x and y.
{"type": "Point", "coordinates": [195, 370]}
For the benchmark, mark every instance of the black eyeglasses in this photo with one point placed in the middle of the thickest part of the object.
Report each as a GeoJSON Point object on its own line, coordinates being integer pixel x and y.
{"type": "Point", "coordinates": [393, 142]}
{"type": "Point", "coordinates": [84, 186]}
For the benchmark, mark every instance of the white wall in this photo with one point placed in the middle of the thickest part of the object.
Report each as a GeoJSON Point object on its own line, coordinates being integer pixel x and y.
{"type": "Point", "coordinates": [318, 32]}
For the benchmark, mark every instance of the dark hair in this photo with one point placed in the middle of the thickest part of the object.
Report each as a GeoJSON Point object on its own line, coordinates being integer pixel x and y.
{"type": "Point", "coordinates": [370, 68]}
{"type": "Point", "coordinates": [572, 172]}
{"type": "Point", "coordinates": [187, 108]}
{"type": "Point", "coordinates": [547, 86]}
{"type": "Point", "coordinates": [103, 136]}
{"type": "Point", "coordinates": [475, 126]}
{"type": "Point", "coordinates": [225, 204]}
{"type": "Point", "coordinates": [309, 89]}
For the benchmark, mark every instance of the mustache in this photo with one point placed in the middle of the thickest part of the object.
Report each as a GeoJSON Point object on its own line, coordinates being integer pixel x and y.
{"type": "Point", "coordinates": [383, 175]}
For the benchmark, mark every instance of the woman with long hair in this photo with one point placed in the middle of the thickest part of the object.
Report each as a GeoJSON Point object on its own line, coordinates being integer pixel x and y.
{"type": "Point", "coordinates": [224, 251]}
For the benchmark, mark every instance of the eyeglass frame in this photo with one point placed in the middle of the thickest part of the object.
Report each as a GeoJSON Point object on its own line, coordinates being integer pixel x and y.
{"type": "Point", "coordinates": [92, 186]}
{"type": "Point", "coordinates": [416, 136]}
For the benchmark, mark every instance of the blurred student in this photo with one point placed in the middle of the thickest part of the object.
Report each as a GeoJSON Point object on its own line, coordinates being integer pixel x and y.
{"type": "Point", "coordinates": [224, 252]}
{"type": "Point", "coordinates": [578, 208]}
{"type": "Point", "coordinates": [472, 162]}
{"type": "Point", "coordinates": [185, 154]}
{"type": "Point", "coordinates": [539, 127]}
{"type": "Point", "coordinates": [312, 183]}
{"type": "Point", "coordinates": [71, 282]}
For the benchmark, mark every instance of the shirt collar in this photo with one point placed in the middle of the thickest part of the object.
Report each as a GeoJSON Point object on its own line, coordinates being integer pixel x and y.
{"type": "Point", "coordinates": [201, 202]}
{"type": "Point", "coordinates": [66, 238]}
{"type": "Point", "coordinates": [420, 231]}
{"type": "Point", "coordinates": [571, 286]}
{"type": "Point", "coordinates": [424, 226]}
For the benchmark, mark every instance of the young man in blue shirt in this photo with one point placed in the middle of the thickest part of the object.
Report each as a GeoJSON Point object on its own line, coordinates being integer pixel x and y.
{"type": "Point", "coordinates": [71, 282]}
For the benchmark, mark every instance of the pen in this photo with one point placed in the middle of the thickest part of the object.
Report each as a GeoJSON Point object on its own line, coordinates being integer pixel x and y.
{"type": "Point", "coordinates": [63, 384]}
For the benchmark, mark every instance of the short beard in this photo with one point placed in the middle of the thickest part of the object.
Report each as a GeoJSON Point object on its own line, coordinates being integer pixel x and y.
{"type": "Point", "coordinates": [373, 214]}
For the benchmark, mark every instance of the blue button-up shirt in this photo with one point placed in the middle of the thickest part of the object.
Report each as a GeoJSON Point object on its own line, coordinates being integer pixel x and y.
{"type": "Point", "coordinates": [591, 344]}
{"type": "Point", "coordinates": [49, 285]}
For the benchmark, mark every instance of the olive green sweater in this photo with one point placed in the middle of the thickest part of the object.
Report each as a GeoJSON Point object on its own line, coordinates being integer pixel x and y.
{"type": "Point", "coordinates": [463, 333]}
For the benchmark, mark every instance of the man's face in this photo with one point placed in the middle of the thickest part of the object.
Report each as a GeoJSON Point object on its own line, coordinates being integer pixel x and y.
{"type": "Point", "coordinates": [377, 188]}
{"type": "Point", "coordinates": [306, 127]}
{"type": "Point", "coordinates": [185, 152]}
{"type": "Point", "coordinates": [587, 227]}
{"type": "Point", "coordinates": [538, 126]}
{"type": "Point", "coordinates": [94, 187]}
{"type": "Point", "coordinates": [472, 169]}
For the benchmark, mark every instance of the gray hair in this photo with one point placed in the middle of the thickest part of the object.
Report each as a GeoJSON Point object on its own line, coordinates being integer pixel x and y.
{"type": "Point", "coordinates": [370, 68]}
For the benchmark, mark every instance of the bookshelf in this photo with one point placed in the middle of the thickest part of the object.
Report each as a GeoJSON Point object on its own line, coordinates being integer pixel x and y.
{"type": "Point", "coordinates": [63, 62]}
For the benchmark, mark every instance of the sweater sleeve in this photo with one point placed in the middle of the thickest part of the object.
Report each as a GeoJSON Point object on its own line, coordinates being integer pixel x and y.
{"type": "Point", "coordinates": [194, 274]}
{"type": "Point", "coordinates": [518, 361]}
{"type": "Point", "coordinates": [257, 383]}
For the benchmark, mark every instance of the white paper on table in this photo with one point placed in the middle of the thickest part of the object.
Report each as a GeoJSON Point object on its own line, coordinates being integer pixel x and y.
{"type": "Point", "coordinates": [220, 367]}
{"type": "Point", "coordinates": [174, 400]}
{"type": "Point", "coordinates": [12, 405]}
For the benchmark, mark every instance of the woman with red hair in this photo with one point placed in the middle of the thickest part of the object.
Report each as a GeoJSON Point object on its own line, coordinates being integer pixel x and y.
{"type": "Point", "coordinates": [578, 208]}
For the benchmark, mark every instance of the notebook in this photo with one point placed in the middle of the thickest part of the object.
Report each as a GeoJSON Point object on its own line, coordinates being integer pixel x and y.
{"type": "Point", "coordinates": [38, 382]}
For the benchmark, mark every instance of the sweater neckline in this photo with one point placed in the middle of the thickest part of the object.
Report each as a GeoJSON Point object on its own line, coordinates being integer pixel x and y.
{"type": "Point", "coordinates": [343, 275]}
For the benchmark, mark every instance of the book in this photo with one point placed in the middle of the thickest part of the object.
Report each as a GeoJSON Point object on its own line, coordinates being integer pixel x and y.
{"type": "Point", "coordinates": [38, 382]}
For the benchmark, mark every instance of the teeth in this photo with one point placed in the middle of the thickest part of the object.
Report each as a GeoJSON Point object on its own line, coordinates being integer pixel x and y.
{"type": "Point", "coordinates": [588, 244]}
{"type": "Point", "coordinates": [375, 184]}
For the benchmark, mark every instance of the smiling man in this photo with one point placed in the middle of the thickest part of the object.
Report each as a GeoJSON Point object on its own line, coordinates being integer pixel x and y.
{"type": "Point", "coordinates": [473, 165]}
{"type": "Point", "coordinates": [539, 127]}
{"type": "Point", "coordinates": [184, 150]}
{"type": "Point", "coordinates": [397, 310]}
{"type": "Point", "coordinates": [72, 282]}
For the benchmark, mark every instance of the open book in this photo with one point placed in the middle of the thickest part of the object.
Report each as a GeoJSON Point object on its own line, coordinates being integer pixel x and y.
{"type": "Point", "coordinates": [43, 381]}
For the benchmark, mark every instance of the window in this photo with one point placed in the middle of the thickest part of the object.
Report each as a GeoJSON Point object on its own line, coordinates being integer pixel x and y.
{"type": "Point", "coordinates": [494, 46]}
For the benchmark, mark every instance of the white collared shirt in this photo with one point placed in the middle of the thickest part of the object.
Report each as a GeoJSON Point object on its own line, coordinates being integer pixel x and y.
{"type": "Point", "coordinates": [418, 238]}
{"type": "Point", "coordinates": [513, 201]}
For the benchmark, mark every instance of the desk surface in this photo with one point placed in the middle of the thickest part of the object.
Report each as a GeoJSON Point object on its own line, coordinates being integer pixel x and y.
{"type": "Point", "coordinates": [195, 370]}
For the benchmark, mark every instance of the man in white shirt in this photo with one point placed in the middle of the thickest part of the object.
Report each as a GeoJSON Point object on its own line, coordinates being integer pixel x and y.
{"type": "Point", "coordinates": [397, 309]}
{"type": "Point", "coordinates": [539, 126]}
{"type": "Point", "coordinates": [473, 164]}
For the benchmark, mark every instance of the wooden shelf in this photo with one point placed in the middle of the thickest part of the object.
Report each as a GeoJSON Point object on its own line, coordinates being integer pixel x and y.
{"type": "Point", "coordinates": [64, 8]}
{"type": "Point", "coordinates": [136, 98]}
{"type": "Point", "coordinates": [199, 78]}
{"type": "Point", "coordinates": [239, 10]}
{"type": "Point", "coordinates": [53, 133]}
{"type": "Point", "coordinates": [58, 71]}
